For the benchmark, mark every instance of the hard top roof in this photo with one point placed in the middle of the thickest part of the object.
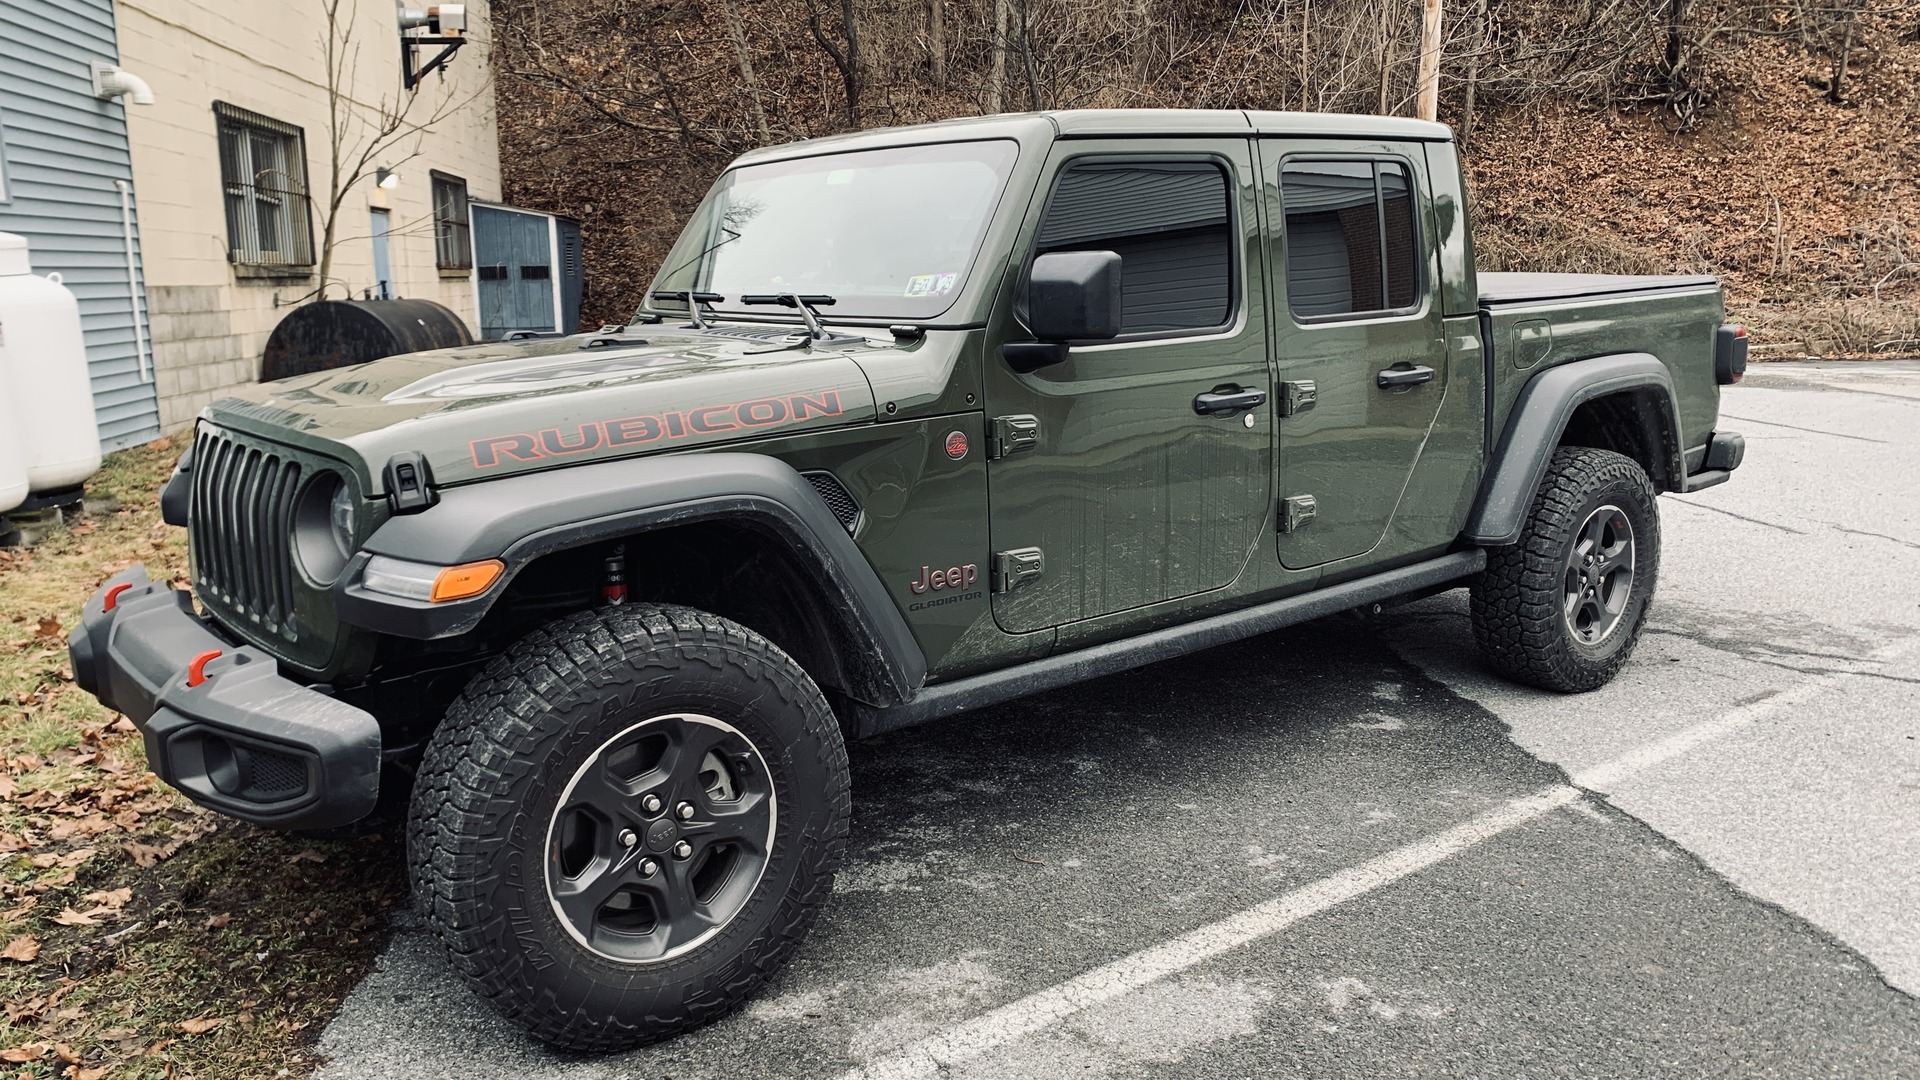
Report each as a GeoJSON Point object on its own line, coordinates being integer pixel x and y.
{"type": "Point", "coordinates": [1086, 123]}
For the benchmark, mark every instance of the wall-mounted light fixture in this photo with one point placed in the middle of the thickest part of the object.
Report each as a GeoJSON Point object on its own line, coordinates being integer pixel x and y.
{"type": "Point", "coordinates": [386, 178]}
{"type": "Point", "coordinates": [444, 25]}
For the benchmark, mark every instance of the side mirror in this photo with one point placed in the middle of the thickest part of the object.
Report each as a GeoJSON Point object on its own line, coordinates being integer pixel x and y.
{"type": "Point", "coordinates": [1075, 296]}
{"type": "Point", "coordinates": [1071, 296]}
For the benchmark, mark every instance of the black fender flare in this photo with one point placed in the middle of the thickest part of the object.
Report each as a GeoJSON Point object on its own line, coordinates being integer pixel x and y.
{"type": "Point", "coordinates": [1539, 417]}
{"type": "Point", "coordinates": [519, 518]}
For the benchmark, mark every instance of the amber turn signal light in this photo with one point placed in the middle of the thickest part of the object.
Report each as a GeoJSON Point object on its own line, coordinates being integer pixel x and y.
{"type": "Point", "coordinates": [467, 579]}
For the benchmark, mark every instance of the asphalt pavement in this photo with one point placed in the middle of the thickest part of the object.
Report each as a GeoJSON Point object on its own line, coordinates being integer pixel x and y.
{"type": "Point", "coordinates": [1346, 850]}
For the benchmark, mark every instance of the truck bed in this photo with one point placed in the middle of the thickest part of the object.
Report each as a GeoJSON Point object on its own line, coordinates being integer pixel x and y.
{"type": "Point", "coordinates": [1535, 321]}
{"type": "Point", "coordinates": [1525, 288]}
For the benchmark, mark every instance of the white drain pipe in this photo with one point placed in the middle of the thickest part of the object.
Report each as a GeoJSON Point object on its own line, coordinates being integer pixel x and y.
{"type": "Point", "coordinates": [133, 282]}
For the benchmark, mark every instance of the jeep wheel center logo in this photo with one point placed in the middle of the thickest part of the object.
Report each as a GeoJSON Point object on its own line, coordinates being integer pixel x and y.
{"type": "Point", "coordinates": [646, 428]}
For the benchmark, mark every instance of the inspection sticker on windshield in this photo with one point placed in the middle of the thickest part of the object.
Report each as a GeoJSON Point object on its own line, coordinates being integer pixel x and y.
{"type": "Point", "coordinates": [931, 284]}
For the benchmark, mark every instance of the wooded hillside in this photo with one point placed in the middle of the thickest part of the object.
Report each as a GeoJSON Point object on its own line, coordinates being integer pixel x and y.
{"type": "Point", "coordinates": [1775, 144]}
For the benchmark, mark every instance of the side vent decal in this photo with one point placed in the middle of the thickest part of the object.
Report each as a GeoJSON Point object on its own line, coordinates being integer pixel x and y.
{"type": "Point", "coordinates": [835, 494]}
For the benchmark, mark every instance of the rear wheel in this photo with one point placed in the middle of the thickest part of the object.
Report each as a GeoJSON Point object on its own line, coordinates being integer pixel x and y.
{"type": "Point", "coordinates": [1563, 608]}
{"type": "Point", "coordinates": [628, 822]}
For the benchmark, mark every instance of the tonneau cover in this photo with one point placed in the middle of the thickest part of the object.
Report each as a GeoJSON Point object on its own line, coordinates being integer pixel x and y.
{"type": "Point", "coordinates": [1496, 288]}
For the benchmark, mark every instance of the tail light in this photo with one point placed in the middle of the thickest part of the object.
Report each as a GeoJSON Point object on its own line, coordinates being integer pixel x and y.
{"type": "Point", "coordinates": [1730, 354]}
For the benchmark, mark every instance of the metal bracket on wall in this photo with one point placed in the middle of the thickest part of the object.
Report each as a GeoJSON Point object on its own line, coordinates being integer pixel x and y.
{"type": "Point", "coordinates": [1298, 397]}
{"type": "Point", "coordinates": [1012, 569]}
{"type": "Point", "coordinates": [1012, 435]}
{"type": "Point", "coordinates": [1296, 512]}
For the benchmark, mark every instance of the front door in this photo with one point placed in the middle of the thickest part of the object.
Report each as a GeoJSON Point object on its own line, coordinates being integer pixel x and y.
{"type": "Point", "coordinates": [1129, 494]}
{"type": "Point", "coordinates": [1355, 316]}
{"type": "Point", "coordinates": [513, 268]}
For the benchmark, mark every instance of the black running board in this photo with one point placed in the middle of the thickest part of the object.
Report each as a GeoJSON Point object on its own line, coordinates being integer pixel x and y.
{"type": "Point", "coordinates": [978, 691]}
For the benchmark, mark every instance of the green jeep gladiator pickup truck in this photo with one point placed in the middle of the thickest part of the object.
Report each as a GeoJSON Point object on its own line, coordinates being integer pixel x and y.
{"type": "Point", "coordinates": [911, 423]}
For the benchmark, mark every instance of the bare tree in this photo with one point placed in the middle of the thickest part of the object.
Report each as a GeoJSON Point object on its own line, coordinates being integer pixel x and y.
{"type": "Point", "coordinates": [362, 138]}
{"type": "Point", "coordinates": [744, 57]}
{"type": "Point", "coordinates": [849, 61]}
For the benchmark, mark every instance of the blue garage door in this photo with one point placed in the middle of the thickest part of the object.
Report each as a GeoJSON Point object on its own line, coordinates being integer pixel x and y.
{"type": "Point", "coordinates": [513, 262]}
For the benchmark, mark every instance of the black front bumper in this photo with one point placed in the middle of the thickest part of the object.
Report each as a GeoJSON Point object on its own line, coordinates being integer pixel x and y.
{"type": "Point", "coordinates": [227, 730]}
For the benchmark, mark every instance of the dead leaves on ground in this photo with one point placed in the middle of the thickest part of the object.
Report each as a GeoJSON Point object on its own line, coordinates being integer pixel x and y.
{"type": "Point", "coordinates": [21, 949]}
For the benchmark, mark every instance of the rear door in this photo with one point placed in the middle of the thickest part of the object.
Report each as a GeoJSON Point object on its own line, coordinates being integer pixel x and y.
{"type": "Point", "coordinates": [1129, 495]}
{"type": "Point", "coordinates": [1357, 335]}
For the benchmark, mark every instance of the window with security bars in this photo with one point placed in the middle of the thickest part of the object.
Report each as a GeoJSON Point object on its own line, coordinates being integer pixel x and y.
{"type": "Point", "coordinates": [452, 234]}
{"type": "Point", "coordinates": [263, 170]}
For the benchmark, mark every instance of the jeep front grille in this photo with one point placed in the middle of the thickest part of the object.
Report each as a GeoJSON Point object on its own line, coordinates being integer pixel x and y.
{"type": "Point", "coordinates": [240, 528]}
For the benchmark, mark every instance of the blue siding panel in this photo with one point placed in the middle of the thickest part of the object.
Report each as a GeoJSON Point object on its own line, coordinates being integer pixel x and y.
{"type": "Point", "coordinates": [63, 149]}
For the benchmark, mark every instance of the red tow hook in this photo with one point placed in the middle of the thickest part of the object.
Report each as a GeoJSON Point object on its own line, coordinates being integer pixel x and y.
{"type": "Point", "coordinates": [197, 667]}
{"type": "Point", "coordinates": [113, 595]}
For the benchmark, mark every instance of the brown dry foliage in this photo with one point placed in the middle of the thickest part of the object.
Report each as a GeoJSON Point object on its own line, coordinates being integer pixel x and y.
{"type": "Point", "coordinates": [1588, 150]}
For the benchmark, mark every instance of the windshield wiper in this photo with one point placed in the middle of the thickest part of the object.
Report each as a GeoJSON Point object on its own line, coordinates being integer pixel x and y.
{"type": "Point", "coordinates": [805, 304]}
{"type": "Point", "coordinates": [693, 300]}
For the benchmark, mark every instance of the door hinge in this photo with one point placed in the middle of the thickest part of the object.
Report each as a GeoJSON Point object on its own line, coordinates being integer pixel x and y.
{"type": "Point", "coordinates": [1296, 512]}
{"type": "Point", "coordinates": [1298, 397]}
{"type": "Point", "coordinates": [1013, 434]}
{"type": "Point", "coordinates": [1012, 569]}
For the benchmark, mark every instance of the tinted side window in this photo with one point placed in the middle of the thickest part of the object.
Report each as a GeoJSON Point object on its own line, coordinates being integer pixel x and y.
{"type": "Point", "coordinates": [1170, 224]}
{"type": "Point", "coordinates": [1352, 243]}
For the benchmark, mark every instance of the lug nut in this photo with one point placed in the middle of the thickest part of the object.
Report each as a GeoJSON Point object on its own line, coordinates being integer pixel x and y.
{"type": "Point", "coordinates": [685, 810]}
{"type": "Point", "coordinates": [648, 868]}
{"type": "Point", "coordinates": [682, 850]}
{"type": "Point", "coordinates": [651, 804]}
{"type": "Point", "coordinates": [627, 838]}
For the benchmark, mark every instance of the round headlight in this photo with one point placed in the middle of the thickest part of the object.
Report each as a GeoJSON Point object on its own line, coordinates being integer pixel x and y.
{"type": "Point", "coordinates": [323, 528]}
{"type": "Point", "coordinates": [340, 517]}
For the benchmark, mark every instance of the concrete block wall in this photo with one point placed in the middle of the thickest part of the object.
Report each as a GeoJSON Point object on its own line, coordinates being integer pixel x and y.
{"type": "Point", "coordinates": [211, 320]}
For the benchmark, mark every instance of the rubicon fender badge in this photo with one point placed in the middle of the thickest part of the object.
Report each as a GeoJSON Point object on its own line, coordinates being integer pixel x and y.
{"type": "Point", "coordinates": [956, 445]}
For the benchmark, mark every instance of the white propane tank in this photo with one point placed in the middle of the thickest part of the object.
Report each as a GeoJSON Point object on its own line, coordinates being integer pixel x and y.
{"type": "Point", "coordinates": [49, 398]}
{"type": "Point", "coordinates": [13, 457]}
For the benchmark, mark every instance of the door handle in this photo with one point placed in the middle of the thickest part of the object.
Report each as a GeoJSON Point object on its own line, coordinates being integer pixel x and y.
{"type": "Point", "coordinates": [1407, 376]}
{"type": "Point", "coordinates": [1227, 400]}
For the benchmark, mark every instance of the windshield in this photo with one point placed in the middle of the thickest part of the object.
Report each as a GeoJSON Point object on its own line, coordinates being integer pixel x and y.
{"type": "Point", "coordinates": [888, 234]}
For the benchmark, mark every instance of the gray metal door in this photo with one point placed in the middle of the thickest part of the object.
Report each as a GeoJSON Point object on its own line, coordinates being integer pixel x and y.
{"type": "Point", "coordinates": [513, 262]}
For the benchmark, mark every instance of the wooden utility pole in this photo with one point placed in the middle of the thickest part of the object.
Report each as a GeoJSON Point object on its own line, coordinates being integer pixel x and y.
{"type": "Point", "coordinates": [996, 86]}
{"type": "Point", "coordinates": [1429, 106]}
{"type": "Point", "coordinates": [937, 40]}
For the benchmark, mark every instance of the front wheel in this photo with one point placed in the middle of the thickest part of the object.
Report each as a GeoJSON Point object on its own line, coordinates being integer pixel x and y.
{"type": "Point", "coordinates": [627, 822]}
{"type": "Point", "coordinates": [1562, 609]}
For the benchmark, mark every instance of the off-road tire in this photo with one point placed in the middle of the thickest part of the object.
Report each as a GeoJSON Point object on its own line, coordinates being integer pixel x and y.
{"type": "Point", "coordinates": [1519, 619]}
{"type": "Point", "coordinates": [493, 775]}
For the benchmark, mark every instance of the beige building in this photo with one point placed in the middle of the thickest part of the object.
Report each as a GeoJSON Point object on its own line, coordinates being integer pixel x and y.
{"type": "Point", "coordinates": [233, 168]}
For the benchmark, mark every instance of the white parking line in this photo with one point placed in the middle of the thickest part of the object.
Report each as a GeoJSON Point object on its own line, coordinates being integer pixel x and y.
{"type": "Point", "coordinates": [974, 1038]}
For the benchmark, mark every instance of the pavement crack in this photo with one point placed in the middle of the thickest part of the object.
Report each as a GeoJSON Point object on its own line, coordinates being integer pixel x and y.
{"type": "Point", "coordinates": [1743, 517]}
{"type": "Point", "coordinates": [1908, 398]}
{"type": "Point", "coordinates": [1875, 535]}
{"type": "Point", "coordinates": [1796, 427]}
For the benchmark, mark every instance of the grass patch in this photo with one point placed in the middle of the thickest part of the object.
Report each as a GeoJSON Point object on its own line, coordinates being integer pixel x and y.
{"type": "Point", "coordinates": [141, 936]}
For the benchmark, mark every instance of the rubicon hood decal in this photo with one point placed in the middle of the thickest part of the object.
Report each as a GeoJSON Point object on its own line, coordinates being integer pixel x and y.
{"type": "Point", "coordinates": [485, 411]}
{"type": "Point", "coordinates": [670, 425]}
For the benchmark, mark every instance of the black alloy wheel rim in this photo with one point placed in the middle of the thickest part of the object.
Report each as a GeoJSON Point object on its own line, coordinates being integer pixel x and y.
{"type": "Point", "coordinates": [1599, 576]}
{"type": "Point", "coordinates": [661, 838]}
